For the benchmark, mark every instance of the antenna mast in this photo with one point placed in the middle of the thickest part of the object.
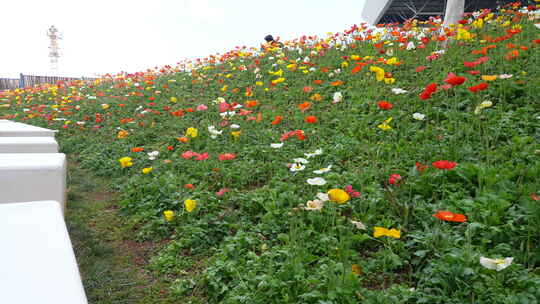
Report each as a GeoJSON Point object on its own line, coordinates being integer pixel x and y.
{"type": "Point", "coordinates": [54, 49]}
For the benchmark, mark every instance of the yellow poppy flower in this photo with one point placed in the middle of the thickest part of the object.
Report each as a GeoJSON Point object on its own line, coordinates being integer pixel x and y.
{"type": "Point", "coordinates": [192, 132]}
{"type": "Point", "coordinates": [236, 134]}
{"type": "Point", "coordinates": [338, 196]}
{"type": "Point", "coordinates": [379, 73]}
{"type": "Point", "coordinates": [489, 77]}
{"type": "Point", "coordinates": [147, 170]}
{"type": "Point", "coordinates": [125, 162]}
{"type": "Point", "coordinates": [169, 215]}
{"type": "Point", "coordinates": [380, 231]}
{"type": "Point", "coordinates": [190, 205]}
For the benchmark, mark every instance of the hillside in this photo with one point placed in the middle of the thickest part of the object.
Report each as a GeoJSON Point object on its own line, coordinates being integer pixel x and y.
{"type": "Point", "coordinates": [388, 165]}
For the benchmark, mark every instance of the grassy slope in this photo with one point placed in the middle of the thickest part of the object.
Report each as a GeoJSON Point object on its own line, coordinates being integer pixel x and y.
{"type": "Point", "coordinates": [254, 245]}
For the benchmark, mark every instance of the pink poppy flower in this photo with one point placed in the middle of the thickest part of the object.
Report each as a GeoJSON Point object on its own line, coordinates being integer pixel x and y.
{"type": "Point", "coordinates": [188, 154]}
{"type": "Point", "coordinates": [222, 191]}
{"type": "Point", "coordinates": [224, 107]}
{"type": "Point", "coordinates": [202, 156]}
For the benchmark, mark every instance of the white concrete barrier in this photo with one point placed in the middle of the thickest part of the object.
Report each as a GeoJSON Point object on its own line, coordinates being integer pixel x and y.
{"type": "Point", "coordinates": [37, 264]}
{"type": "Point", "coordinates": [17, 129]}
{"type": "Point", "coordinates": [28, 145]}
{"type": "Point", "coordinates": [32, 177]}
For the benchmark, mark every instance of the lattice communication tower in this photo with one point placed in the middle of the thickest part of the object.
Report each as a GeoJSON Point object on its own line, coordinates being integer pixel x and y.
{"type": "Point", "coordinates": [54, 49]}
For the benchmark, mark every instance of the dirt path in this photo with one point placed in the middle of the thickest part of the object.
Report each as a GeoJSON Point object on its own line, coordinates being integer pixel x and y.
{"type": "Point", "coordinates": [113, 266]}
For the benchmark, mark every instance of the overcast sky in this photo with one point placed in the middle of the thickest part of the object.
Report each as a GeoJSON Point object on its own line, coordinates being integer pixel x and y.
{"type": "Point", "coordinates": [132, 35]}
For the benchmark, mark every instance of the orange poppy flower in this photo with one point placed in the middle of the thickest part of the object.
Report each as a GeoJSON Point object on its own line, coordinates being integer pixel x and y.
{"type": "Point", "coordinates": [304, 106]}
{"type": "Point", "coordinates": [450, 216]}
{"type": "Point", "coordinates": [277, 120]}
{"type": "Point", "coordinates": [251, 103]}
{"type": "Point", "coordinates": [183, 139]}
{"type": "Point", "coordinates": [336, 83]}
{"type": "Point", "coordinates": [318, 81]}
{"type": "Point", "coordinates": [137, 149]}
{"type": "Point", "coordinates": [512, 55]}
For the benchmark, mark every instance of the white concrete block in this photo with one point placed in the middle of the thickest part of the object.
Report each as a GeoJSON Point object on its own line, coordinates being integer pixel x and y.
{"type": "Point", "coordinates": [17, 129]}
{"type": "Point", "coordinates": [32, 177]}
{"type": "Point", "coordinates": [28, 145]}
{"type": "Point", "coordinates": [37, 264]}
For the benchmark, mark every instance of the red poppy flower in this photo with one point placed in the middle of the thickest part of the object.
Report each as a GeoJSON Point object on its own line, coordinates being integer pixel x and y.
{"type": "Point", "coordinates": [394, 179]}
{"type": "Point", "coordinates": [307, 89]}
{"type": "Point", "coordinates": [474, 72]}
{"type": "Point", "coordinates": [479, 87]}
{"type": "Point", "coordinates": [450, 216]}
{"type": "Point", "coordinates": [311, 119]}
{"type": "Point", "coordinates": [478, 61]}
{"type": "Point", "coordinates": [298, 133]}
{"type": "Point", "coordinates": [385, 105]}
{"type": "Point", "coordinates": [420, 68]}
{"type": "Point", "coordinates": [421, 167]}
{"type": "Point", "coordinates": [454, 80]}
{"type": "Point", "coordinates": [428, 91]}
{"type": "Point", "coordinates": [444, 164]}
{"type": "Point", "coordinates": [227, 156]}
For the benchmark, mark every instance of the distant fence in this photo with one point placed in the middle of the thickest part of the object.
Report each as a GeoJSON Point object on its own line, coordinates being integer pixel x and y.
{"type": "Point", "coordinates": [32, 80]}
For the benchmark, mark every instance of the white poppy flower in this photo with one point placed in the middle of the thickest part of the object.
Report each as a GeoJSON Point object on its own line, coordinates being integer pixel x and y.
{"type": "Point", "coordinates": [323, 197]}
{"type": "Point", "coordinates": [227, 114]}
{"type": "Point", "coordinates": [314, 205]}
{"type": "Point", "coordinates": [152, 155]}
{"type": "Point", "coordinates": [323, 170]}
{"type": "Point", "coordinates": [496, 264]}
{"type": "Point", "coordinates": [359, 225]}
{"type": "Point", "coordinates": [301, 160]}
{"type": "Point", "coordinates": [317, 152]}
{"type": "Point", "coordinates": [276, 146]}
{"type": "Point", "coordinates": [219, 100]}
{"type": "Point", "coordinates": [317, 181]}
{"type": "Point", "coordinates": [214, 132]}
{"type": "Point", "coordinates": [297, 167]}
{"type": "Point", "coordinates": [505, 76]}
{"type": "Point", "coordinates": [399, 91]}
{"type": "Point", "coordinates": [235, 126]}
{"type": "Point", "coordinates": [410, 46]}
{"type": "Point", "coordinates": [418, 116]}
{"type": "Point", "coordinates": [337, 97]}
